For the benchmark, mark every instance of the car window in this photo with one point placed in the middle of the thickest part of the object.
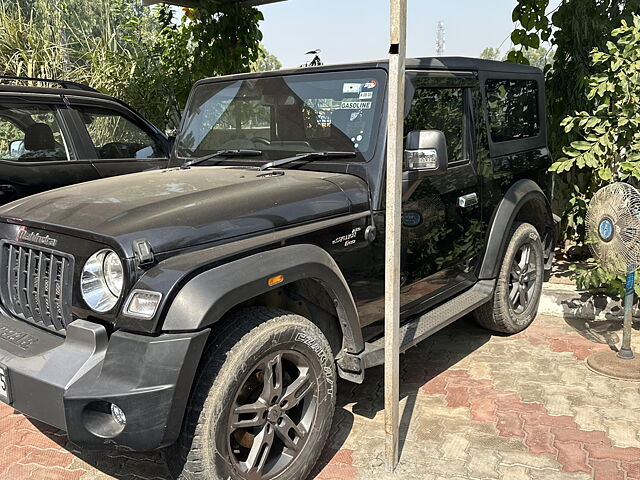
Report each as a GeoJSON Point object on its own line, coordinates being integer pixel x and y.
{"type": "Point", "coordinates": [513, 109]}
{"type": "Point", "coordinates": [439, 109]}
{"type": "Point", "coordinates": [31, 134]}
{"type": "Point", "coordinates": [115, 136]}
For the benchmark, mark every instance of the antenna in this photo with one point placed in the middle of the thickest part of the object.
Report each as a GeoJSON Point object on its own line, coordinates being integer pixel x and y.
{"type": "Point", "coordinates": [440, 41]}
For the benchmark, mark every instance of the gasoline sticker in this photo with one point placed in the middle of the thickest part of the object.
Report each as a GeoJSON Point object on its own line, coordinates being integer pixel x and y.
{"type": "Point", "coordinates": [355, 105]}
{"type": "Point", "coordinates": [366, 95]}
{"type": "Point", "coordinates": [351, 87]}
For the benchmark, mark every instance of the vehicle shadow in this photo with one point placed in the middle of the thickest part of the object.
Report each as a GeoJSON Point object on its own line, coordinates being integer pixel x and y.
{"type": "Point", "coordinates": [419, 365]}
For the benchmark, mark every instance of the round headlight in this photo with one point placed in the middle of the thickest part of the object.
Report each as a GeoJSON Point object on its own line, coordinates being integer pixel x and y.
{"type": "Point", "coordinates": [102, 280]}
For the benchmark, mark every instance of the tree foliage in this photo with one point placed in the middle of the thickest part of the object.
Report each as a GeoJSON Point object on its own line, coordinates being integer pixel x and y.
{"type": "Point", "coordinates": [584, 93]}
{"type": "Point", "coordinates": [608, 145]}
{"type": "Point", "coordinates": [144, 56]}
{"type": "Point", "coordinates": [540, 57]}
{"type": "Point", "coordinates": [574, 29]}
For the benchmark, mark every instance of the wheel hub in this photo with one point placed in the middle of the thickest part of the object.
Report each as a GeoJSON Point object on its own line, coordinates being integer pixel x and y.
{"type": "Point", "coordinates": [275, 413]}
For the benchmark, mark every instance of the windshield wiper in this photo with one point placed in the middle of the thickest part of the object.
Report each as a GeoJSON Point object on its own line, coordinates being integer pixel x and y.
{"type": "Point", "coordinates": [308, 156]}
{"type": "Point", "coordinates": [223, 153]}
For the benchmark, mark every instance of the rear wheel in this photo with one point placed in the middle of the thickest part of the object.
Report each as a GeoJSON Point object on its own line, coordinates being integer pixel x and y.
{"type": "Point", "coordinates": [519, 285]}
{"type": "Point", "coordinates": [263, 402]}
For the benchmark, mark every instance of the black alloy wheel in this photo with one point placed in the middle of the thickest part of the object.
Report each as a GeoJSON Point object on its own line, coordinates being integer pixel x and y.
{"type": "Point", "coordinates": [273, 412]}
{"type": "Point", "coordinates": [522, 283]}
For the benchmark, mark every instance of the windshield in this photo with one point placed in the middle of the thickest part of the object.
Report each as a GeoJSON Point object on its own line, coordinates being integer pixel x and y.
{"type": "Point", "coordinates": [281, 116]}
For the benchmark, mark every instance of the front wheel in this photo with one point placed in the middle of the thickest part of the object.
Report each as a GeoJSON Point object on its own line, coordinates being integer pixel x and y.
{"type": "Point", "coordinates": [519, 285]}
{"type": "Point", "coordinates": [262, 404]}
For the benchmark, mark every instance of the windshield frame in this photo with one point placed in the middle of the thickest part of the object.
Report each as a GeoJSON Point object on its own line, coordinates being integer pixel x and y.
{"type": "Point", "coordinates": [376, 125]}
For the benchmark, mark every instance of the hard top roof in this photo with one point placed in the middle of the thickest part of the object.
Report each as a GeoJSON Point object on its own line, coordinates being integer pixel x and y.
{"type": "Point", "coordinates": [462, 64]}
{"type": "Point", "coordinates": [469, 64]}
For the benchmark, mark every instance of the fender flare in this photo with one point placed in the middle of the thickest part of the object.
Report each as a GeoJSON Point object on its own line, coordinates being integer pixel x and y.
{"type": "Point", "coordinates": [518, 195]}
{"type": "Point", "coordinates": [207, 297]}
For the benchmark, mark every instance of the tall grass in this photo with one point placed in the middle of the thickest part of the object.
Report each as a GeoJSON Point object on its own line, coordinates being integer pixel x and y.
{"type": "Point", "coordinates": [36, 49]}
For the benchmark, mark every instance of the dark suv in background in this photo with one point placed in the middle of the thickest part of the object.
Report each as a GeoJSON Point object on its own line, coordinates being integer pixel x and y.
{"type": "Point", "coordinates": [51, 137]}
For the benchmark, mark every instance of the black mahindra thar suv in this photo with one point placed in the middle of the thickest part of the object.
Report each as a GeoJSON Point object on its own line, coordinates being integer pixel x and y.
{"type": "Point", "coordinates": [210, 308]}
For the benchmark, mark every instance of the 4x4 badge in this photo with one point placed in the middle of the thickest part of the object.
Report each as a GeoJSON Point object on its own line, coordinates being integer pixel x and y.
{"type": "Point", "coordinates": [25, 235]}
{"type": "Point", "coordinates": [349, 239]}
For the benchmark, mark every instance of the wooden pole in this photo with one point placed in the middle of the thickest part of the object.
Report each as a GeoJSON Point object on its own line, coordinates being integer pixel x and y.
{"type": "Point", "coordinates": [395, 125]}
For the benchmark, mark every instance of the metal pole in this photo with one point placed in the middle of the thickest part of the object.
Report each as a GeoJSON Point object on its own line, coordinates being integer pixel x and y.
{"type": "Point", "coordinates": [395, 125]}
{"type": "Point", "coordinates": [625, 350]}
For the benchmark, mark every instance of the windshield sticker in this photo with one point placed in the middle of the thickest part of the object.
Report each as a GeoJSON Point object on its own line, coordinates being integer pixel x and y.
{"type": "Point", "coordinates": [371, 84]}
{"type": "Point", "coordinates": [355, 105]}
{"type": "Point", "coordinates": [351, 88]}
{"type": "Point", "coordinates": [366, 95]}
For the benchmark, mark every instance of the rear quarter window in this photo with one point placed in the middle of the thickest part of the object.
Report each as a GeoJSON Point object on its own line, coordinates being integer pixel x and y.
{"type": "Point", "coordinates": [513, 109]}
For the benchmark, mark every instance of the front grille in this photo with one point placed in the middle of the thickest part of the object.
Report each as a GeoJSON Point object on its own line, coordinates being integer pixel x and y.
{"type": "Point", "coordinates": [36, 284]}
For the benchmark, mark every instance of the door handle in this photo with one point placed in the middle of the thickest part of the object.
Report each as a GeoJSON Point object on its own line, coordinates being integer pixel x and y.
{"type": "Point", "coordinates": [468, 200]}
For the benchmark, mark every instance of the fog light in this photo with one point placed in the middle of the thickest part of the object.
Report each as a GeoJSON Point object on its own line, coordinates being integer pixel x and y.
{"type": "Point", "coordinates": [142, 304]}
{"type": "Point", "coordinates": [118, 415]}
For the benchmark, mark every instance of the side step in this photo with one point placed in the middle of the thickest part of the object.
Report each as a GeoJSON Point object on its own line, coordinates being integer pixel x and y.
{"type": "Point", "coordinates": [426, 325]}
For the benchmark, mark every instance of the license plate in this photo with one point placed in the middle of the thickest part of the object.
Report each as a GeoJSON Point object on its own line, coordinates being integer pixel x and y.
{"type": "Point", "coordinates": [5, 390]}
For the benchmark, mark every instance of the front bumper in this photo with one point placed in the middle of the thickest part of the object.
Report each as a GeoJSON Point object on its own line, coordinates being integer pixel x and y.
{"type": "Point", "coordinates": [70, 382]}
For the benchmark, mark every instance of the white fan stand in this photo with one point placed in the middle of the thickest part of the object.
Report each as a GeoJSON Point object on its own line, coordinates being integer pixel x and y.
{"type": "Point", "coordinates": [613, 231]}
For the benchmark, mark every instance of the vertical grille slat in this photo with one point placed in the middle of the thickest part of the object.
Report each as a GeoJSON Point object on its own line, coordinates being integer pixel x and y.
{"type": "Point", "coordinates": [22, 283]}
{"type": "Point", "coordinates": [34, 300]}
{"type": "Point", "coordinates": [12, 275]}
{"type": "Point", "coordinates": [55, 286]}
{"type": "Point", "coordinates": [36, 284]}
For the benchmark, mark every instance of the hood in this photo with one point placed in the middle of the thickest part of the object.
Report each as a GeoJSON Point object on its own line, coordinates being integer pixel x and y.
{"type": "Point", "coordinates": [178, 208]}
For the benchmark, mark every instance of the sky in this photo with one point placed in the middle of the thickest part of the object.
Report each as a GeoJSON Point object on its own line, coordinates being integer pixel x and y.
{"type": "Point", "coordinates": [356, 30]}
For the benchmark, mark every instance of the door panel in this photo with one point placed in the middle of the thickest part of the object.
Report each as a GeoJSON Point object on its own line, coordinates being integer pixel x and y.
{"type": "Point", "coordinates": [440, 238]}
{"type": "Point", "coordinates": [118, 143]}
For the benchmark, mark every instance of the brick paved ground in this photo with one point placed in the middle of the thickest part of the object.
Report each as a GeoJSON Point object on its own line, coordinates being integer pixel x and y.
{"type": "Point", "coordinates": [475, 406]}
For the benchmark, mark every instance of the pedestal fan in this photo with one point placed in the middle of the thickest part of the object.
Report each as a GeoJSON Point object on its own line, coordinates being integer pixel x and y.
{"type": "Point", "coordinates": [613, 234]}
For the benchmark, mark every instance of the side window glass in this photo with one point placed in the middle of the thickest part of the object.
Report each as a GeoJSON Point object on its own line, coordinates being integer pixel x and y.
{"type": "Point", "coordinates": [115, 136]}
{"type": "Point", "coordinates": [513, 109]}
{"type": "Point", "coordinates": [439, 109]}
{"type": "Point", "coordinates": [31, 134]}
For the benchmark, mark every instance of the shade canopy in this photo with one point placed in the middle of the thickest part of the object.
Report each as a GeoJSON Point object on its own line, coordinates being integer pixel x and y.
{"type": "Point", "coordinates": [200, 3]}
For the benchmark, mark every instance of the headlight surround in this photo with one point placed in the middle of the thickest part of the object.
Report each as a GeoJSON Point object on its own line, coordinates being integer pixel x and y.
{"type": "Point", "coordinates": [102, 280]}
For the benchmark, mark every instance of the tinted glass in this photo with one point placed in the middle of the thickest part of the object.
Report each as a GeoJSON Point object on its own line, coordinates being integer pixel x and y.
{"type": "Point", "coordinates": [513, 109]}
{"type": "Point", "coordinates": [31, 134]}
{"type": "Point", "coordinates": [115, 136]}
{"type": "Point", "coordinates": [439, 109]}
{"type": "Point", "coordinates": [338, 111]}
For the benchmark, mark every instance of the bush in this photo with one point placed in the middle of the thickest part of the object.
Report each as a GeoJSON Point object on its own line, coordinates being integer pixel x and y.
{"type": "Point", "coordinates": [608, 148]}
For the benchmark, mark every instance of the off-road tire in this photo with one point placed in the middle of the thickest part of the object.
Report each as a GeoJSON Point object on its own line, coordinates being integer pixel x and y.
{"type": "Point", "coordinates": [498, 314]}
{"type": "Point", "coordinates": [242, 340]}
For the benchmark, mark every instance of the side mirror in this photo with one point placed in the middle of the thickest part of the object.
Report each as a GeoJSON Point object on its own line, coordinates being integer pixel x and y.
{"type": "Point", "coordinates": [16, 148]}
{"type": "Point", "coordinates": [426, 151]}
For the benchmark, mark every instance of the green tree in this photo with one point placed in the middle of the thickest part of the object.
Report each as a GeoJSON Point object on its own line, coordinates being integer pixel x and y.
{"type": "Point", "coordinates": [490, 53]}
{"type": "Point", "coordinates": [266, 62]}
{"type": "Point", "coordinates": [540, 57]}
{"type": "Point", "coordinates": [608, 145]}
{"type": "Point", "coordinates": [141, 55]}
{"type": "Point", "coordinates": [574, 29]}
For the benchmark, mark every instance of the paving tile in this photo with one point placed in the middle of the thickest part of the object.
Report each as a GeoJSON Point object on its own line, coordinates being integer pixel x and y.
{"type": "Point", "coordinates": [474, 406]}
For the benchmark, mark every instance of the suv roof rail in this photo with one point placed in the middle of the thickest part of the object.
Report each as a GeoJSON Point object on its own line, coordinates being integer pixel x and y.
{"type": "Point", "coordinates": [63, 83]}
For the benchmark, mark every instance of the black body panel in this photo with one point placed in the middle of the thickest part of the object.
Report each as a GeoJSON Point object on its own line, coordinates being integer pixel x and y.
{"type": "Point", "coordinates": [187, 208]}
{"type": "Point", "coordinates": [308, 235]}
